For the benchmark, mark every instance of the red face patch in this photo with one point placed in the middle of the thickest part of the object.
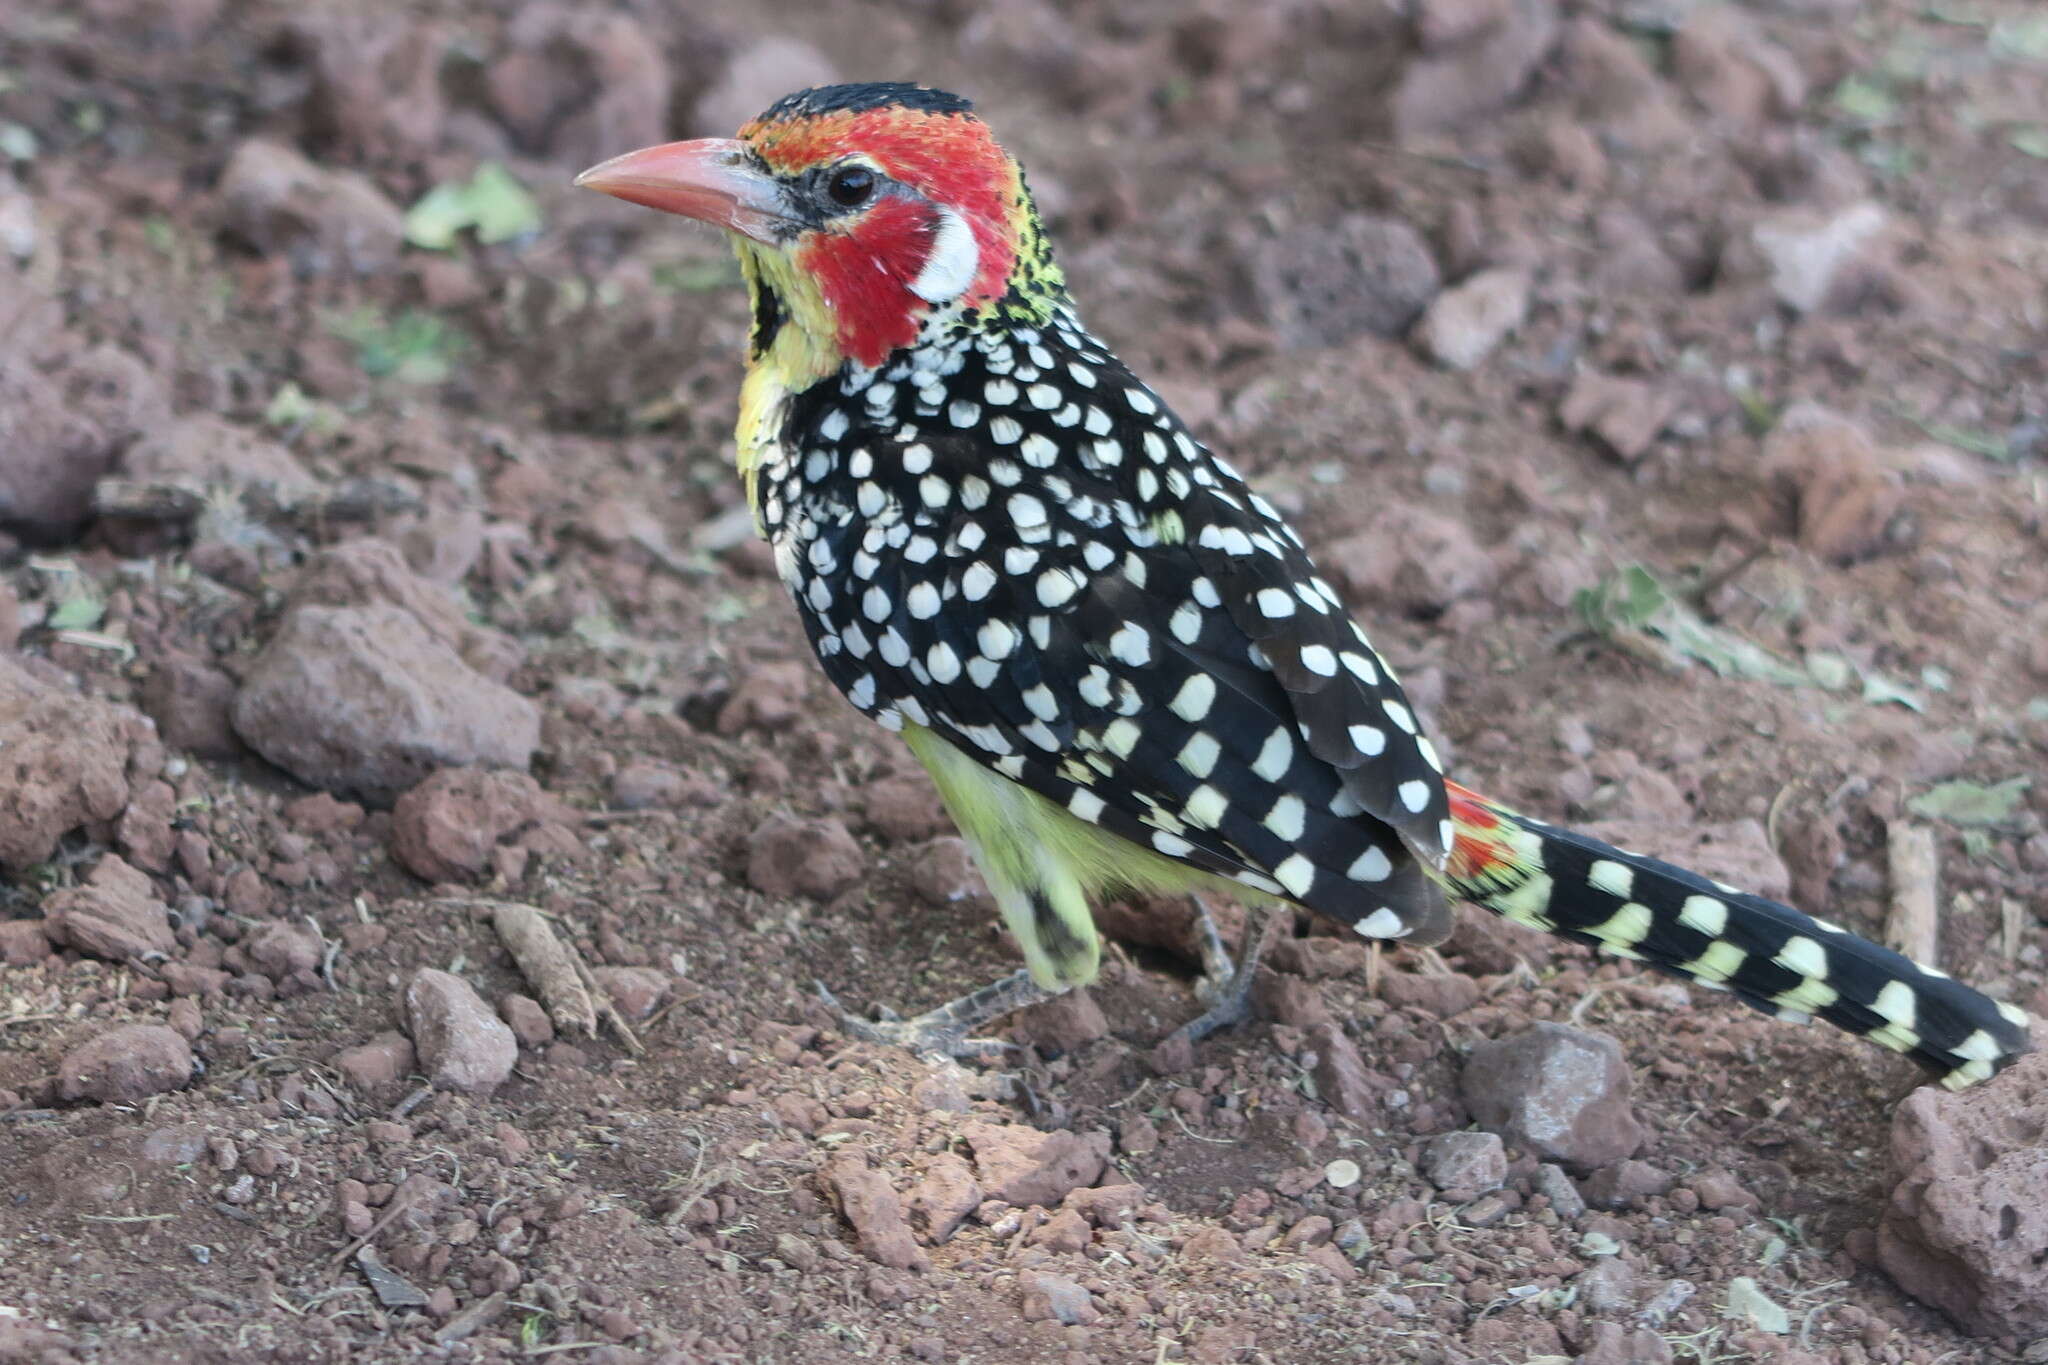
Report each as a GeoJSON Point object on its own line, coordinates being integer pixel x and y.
{"type": "Point", "coordinates": [865, 266]}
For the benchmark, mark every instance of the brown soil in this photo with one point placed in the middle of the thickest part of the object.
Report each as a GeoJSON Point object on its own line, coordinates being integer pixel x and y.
{"type": "Point", "coordinates": [1246, 204]}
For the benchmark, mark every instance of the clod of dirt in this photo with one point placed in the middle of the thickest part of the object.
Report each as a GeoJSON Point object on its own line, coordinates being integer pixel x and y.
{"type": "Point", "coordinates": [1560, 1092]}
{"type": "Point", "coordinates": [378, 1064]}
{"type": "Point", "coordinates": [1845, 494]}
{"type": "Point", "coordinates": [462, 1045]}
{"type": "Point", "coordinates": [1463, 325]}
{"type": "Point", "coordinates": [64, 762]}
{"type": "Point", "coordinates": [580, 84]}
{"type": "Point", "coordinates": [870, 1205]}
{"type": "Point", "coordinates": [322, 220]}
{"type": "Point", "coordinates": [1324, 284]}
{"type": "Point", "coordinates": [943, 1197]}
{"type": "Point", "coordinates": [116, 915]}
{"type": "Point", "coordinates": [754, 78]}
{"type": "Point", "coordinates": [125, 1064]}
{"type": "Point", "coordinates": [1474, 1162]}
{"type": "Point", "coordinates": [1966, 1229]}
{"type": "Point", "coordinates": [1341, 1077]}
{"type": "Point", "coordinates": [1471, 69]}
{"type": "Point", "coordinates": [1055, 1298]}
{"type": "Point", "coordinates": [1623, 415]}
{"type": "Point", "coordinates": [791, 857]}
{"type": "Point", "coordinates": [366, 700]}
{"type": "Point", "coordinates": [1414, 559]}
{"type": "Point", "coordinates": [188, 698]}
{"type": "Point", "coordinates": [1724, 61]}
{"type": "Point", "coordinates": [445, 829]}
{"type": "Point", "coordinates": [1023, 1166]}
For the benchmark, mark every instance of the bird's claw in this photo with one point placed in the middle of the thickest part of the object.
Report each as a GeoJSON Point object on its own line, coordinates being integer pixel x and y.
{"type": "Point", "coordinates": [935, 1034]}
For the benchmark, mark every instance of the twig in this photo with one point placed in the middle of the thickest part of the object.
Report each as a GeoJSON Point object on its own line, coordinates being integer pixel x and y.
{"type": "Point", "coordinates": [548, 964]}
{"type": "Point", "coordinates": [1913, 925]}
{"type": "Point", "coordinates": [604, 1003]}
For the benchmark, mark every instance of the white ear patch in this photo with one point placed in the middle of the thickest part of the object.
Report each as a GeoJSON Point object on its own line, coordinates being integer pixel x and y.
{"type": "Point", "coordinates": [953, 264]}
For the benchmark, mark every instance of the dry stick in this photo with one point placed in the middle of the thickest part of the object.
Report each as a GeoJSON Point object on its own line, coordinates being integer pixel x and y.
{"type": "Point", "coordinates": [604, 1003]}
{"type": "Point", "coordinates": [549, 964]}
{"type": "Point", "coordinates": [2012, 926]}
{"type": "Point", "coordinates": [1913, 924]}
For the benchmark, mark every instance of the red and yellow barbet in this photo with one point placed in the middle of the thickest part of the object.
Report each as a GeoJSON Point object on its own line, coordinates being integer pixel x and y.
{"type": "Point", "coordinates": [1116, 659]}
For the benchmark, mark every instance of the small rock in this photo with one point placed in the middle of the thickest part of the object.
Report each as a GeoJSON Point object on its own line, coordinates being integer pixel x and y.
{"type": "Point", "coordinates": [1440, 994]}
{"type": "Point", "coordinates": [1966, 1229]}
{"type": "Point", "coordinates": [1214, 1244]}
{"type": "Point", "coordinates": [576, 83]}
{"type": "Point", "coordinates": [1624, 415]}
{"type": "Point", "coordinates": [905, 809]}
{"type": "Point", "coordinates": [1607, 1286]}
{"type": "Point", "coordinates": [1325, 284]}
{"type": "Point", "coordinates": [643, 784]}
{"type": "Point", "coordinates": [384, 1061]}
{"type": "Point", "coordinates": [1054, 1298]}
{"type": "Point", "coordinates": [636, 992]}
{"type": "Point", "coordinates": [188, 699]}
{"type": "Point", "coordinates": [1064, 1023]}
{"type": "Point", "coordinates": [1415, 560]}
{"type": "Point", "coordinates": [1341, 1077]}
{"type": "Point", "coordinates": [1724, 61]}
{"type": "Point", "coordinates": [871, 1207]}
{"type": "Point", "coordinates": [1478, 75]}
{"type": "Point", "coordinates": [1465, 1161]}
{"type": "Point", "coordinates": [943, 873]}
{"type": "Point", "coordinates": [1065, 1231]}
{"type": "Point", "coordinates": [322, 220]}
{"type": "Point", "coordinates": [280, 949]}
{"type": "Point", "coordinates": [462, 1045]}
{"type": "Point", "coordinates": [1560, 1092]}
{"type": "Point", "coordinates": [1553, 1184]}
{"type": "Point", "coordinates": [816, 858]}
{"type": "Point", "coordinates": [53, 451]}
{"type": "Point", "coordinates": [527, 1020]}
{"type": "Point", "coordinates": [1846, 496]}
{"type": "Point", "coordinates": [1625, 1184]}
{"type": "Point", "coordinates": [125, 1064]}
{"type": "Point", "coordinates": [24, 942]}
{"type": "Point", "coordinates": [366, 700]}
{"type": "Point", "coordinates": [1463, 325]}
{"type": "Point", "coordinates": [446, 828]}
{"type": "Point", "coordinates": [1610, 1343]}
{"type": "Point", "coordinates": [1718, 1190]}
{"type": "Point", "coordinates": [66, 762]}
{"type": "Point", "coordinates": [1023, 1166]}
{"type": "Point", "coordinates": [943, 1198]}
{"type": "Point", "coordinates": [116, 915]}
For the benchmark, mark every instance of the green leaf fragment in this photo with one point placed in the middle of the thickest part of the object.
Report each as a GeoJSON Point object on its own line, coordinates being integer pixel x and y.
{"type": "Point", "coordinates": [1747, 1303]}
{"type": "Point", "coordinates": [2031, 139]}
{"type": "Point", "coordinates": [1633, 605]}
{"type": "Point", "coordinates": [1865, 100]}
{"type": "Point", "coordinates": [492, 204]}
{"type": "Point", "coordinates": [1972, 803]}
{"type": "Point", "coordinates": [1879, 690]}
{"type": "Point", "coordinates": [80, 611]}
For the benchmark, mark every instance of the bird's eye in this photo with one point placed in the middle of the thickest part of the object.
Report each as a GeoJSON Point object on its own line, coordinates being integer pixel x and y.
{"type": "Point", "coordinates": [851, 186]}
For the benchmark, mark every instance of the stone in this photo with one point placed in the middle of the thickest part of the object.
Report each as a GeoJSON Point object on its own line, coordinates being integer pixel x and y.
{"type": "Point", "coordinates": [1341, 1077]}
{"type": "Point", "coordinates": [116, 915]}
{"type": "Point", "coordinates": [446, 828]}
{"type": "Point", "coordinates": [125, 1064]}
{"type": "Point", "coordinates": [322, 220]}
{"type": "Point", "coordinates": [578, 84]}
{"type": "Point", "coordinates": [364, 700]}
{"type": "Point", "coordinates": [754, 78]}
{"type": "Point", "coordinates": [188, 698]}
{"type": "Point", "coordinates": [1471, 1163]}
{"type": "Point", "coordinates": [1557, 1091]}
{"type": "Point", "coordinates": [869, 1202]}
{"type": "Point", "coordinates": [1723, 60]}
{"type": "Point", "coordinates": [1456, 82]}
{"type": "Point", "coordinates": [788, 856]}
{"type": "Point", "coordinates": [1625, 1184]}
{"type": "Point", "coordinates": [1965, 1228]}
{"type": "Point", "coordinates": [529, 1022]}
{"type": "Point", "coordinates": [64, 763]}
{"type": "Point", "coordinates": [1823, 261]}
{"type": "Point", "coordinates": [1846, 495]}
{"type": "Point", "coordinates": [1064, 1023]}
{"type": "Point", "coordinates": [379, 1064]}
{"type": "Point", "coordinates": [1055, 1298]}
{"type": "Point", "coordinates": [1623, 415]}
{"type": "Point", "coordinates": [1023, 1166]}
{"type": "Point", "coordinates": [1324, 284]}
{"type": "Point", "coordinates": [635, 992]}
{"type": "Point", "coordinates": [462, 1045]}
{"type": "Point", "coordinates": [1464, 324]}
{"type": "Point", "coordinates": [1553, 1184]}
{"type": "Point", "coordinates": [1607, 1286]}
{"type": "Point", "coordinates": [943, 1198]}
{"type": "Point", "coordinates": [280, 949]}
{"type": "Point", "coordinates": [1415, 560]}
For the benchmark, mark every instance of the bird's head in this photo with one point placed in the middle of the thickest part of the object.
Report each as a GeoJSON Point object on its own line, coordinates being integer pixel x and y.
{"type": "Point", "coordinates": [861, 213]}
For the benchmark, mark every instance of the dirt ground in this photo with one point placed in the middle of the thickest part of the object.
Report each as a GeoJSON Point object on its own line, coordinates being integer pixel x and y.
{"type": "Point", "coordinates": [1751, 297]}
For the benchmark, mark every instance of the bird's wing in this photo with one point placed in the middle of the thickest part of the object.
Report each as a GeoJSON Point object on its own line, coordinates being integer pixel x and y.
{"type": "Point", "coordinates": [1117, 662]}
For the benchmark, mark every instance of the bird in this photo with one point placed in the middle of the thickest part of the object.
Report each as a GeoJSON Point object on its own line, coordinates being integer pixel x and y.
{"type": "Point", "coordinates": [1117, 660]}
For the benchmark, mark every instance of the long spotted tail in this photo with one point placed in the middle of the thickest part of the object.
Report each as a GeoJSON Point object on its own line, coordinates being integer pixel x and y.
{"type": "Point", "coordinates": [1771, 956]}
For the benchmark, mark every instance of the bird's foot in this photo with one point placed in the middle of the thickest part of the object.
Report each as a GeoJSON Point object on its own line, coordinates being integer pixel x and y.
{"type": "Point", "coordinates": [1228, 990]}
{"type": "Point", "coordinates": [947, 1031]}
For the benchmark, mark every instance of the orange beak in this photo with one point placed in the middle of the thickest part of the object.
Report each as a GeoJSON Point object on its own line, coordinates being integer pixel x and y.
{"type": "Point", "coordinates": [713, 180]}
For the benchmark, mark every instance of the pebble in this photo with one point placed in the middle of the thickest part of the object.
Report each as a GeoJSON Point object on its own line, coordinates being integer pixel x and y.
{"type": "Point", "coordinates": [1055, 1298]}
{"type": "Point", "coordinates": [788, 856]}
{"type": "Point", "coordinates": [462, 1045]}
{"type": "Point", "coordinates": [1464, 324]}
{"type": "Point", "coordinates": [1023, 1166]}
{"type": "Point", "coordinates": [1560, 1092]}
{"type": "Point", "coordinates": [1472, 1163]}
{"type": "Point", "coordinates": [943, 1198]}
{"type": "Point", "coordinates": [875, 1214]}
{"type": "Point", "coordinates": [125, 1064]}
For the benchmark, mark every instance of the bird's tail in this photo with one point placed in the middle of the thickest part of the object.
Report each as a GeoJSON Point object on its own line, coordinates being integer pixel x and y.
{"type": "Point", "coordinates": [1771, 956]}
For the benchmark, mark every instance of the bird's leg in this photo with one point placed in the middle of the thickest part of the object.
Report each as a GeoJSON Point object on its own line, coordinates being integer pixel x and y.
{"type": "Point", "coordinates": [1217, 970]}
{"type": "Point", "coordinates": [947, 1031]}
{"type": "Point", "coordinates": [1231, 1003]}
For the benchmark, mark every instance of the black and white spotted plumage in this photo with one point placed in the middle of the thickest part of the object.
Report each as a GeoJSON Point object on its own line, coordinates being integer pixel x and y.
{"type": "Point", "coordinates": [1006, 538]}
